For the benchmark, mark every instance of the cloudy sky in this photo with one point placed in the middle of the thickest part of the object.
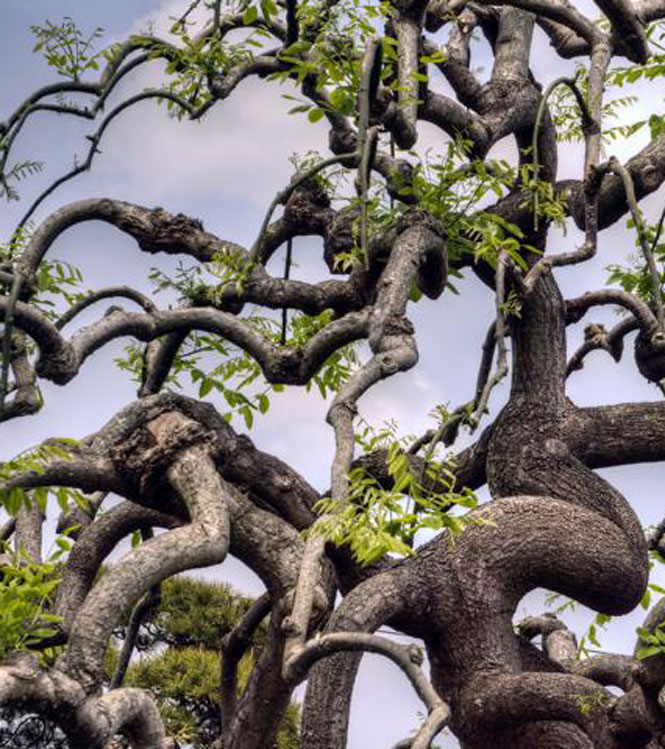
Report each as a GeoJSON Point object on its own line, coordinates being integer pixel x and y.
{"type": "Point", "coordinates": [225, 171]}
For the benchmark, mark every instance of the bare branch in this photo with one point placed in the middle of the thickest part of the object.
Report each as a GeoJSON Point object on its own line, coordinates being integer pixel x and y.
{"type": "Point", "coordinates": [577, 308]}
{"type": "Point", "coordinates": [233, 646]}
{"type": "Point", "coordinates": [656, 287]}
{"type": "Point", "coordinates": [408, 658]}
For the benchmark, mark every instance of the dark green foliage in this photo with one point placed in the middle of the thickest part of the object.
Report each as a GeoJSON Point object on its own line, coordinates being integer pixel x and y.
{"type": "Point", "coordinates": [184, 676]}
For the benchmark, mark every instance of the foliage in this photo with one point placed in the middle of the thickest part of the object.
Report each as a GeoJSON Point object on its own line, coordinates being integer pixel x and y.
{"type": "Point", "coordinates": [184, 676]}
{"type": "Point", "coordinates": [196, 612]}
{"type": "Point", "coordinates": [16, 173]}
{"type": "Point", "coordinates": [56, 281]}
{"type": "Point", "coordinates": [588, 704]}
{"type": "Point", "coordinates": [66, 48]}
{"type": "Point", "coordinates": [653, 642]}
{"type": "Point", "coordinates": [26, 589]}
{"type": "Point", "coordinates": [376, 521]}
{"type": "Point", "coordinates": [566, 115]}
{"type": "Point", "coordinates": [35, 461]}
{"type": "Point", "coordinates": [185, 683]}
{"type": "Point", "coordinates": [634, 277]}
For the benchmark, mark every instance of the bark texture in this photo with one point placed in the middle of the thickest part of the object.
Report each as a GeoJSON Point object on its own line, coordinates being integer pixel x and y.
{"type": "Point", "coordinates": [179, 467]}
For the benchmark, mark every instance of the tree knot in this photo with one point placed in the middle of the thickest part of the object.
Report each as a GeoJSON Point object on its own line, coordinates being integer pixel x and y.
{"type": "Point", "coordinates": [415, 654]}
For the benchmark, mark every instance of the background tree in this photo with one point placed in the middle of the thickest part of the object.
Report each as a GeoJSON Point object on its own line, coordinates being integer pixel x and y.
{"type": "Point", "coordinates": [191, 620]}
{"type": "Point", "coordinates": [176, 629]}
{"type": "Point", "coordinates": [395, 228]}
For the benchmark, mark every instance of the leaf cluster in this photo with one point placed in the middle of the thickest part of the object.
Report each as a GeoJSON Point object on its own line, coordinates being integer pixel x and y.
{"type": "Point", "coordinates": [67, 49]}
{"type": "Point", "coordinates": [16, 173]}
{"type": "Point", "coordinates": [184, 677]}
{"type": "Point", "coordinates": [376, 521]}
{"type": "Point", "coordinates": [634, 276]}
{"type": "Point", "coordinates": [35, 461]}
{"type": "Point", "coordinates": [26, 589]}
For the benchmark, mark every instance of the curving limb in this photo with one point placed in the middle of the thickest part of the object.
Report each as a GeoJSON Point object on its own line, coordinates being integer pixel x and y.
{"type": "Point", "coordinates": [393, 351]}
{"type": "Point", "coordinates": [330, 682]}
{"type": "Point", "coordinates": [577, 308]}
{"type": "Point", "coordinates": [596, 337]}
{"type": "Point", "coordinates": [618, 168]}
{"type": "Point", "coordinates": [26, 398]}
{"type": "Point", "coordinates": [88, 722]}
{"type": "Point", "coordinates": [203, 542]}
{"type": "Point", "coordinates": [408, 24]}
{"type": "Point", "coordinates": [111, 292]}
{"type": "Point", "coordinates": [60, 359]}
{"type": "Point", "coordinates": [408, 658]}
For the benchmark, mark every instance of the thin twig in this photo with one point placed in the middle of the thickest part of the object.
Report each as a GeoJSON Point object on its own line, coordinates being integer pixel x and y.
{"type": "Point", "coordinates": [283, 195]}
{"type": "Point", "coordinates": [620, 170]}
{"type": "Point", "coordinates": [96, 137]}
{"type": "Point", "coordinates": [587, 122]}
{"type": "Point", "coordinates": [287, 273]}
{"type": "Point", "coordinates": [500, 332]}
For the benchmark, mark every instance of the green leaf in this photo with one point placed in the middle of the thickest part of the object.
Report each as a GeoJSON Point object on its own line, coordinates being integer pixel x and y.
{"type": "Point", "coordinates": [250, 15]}
{"type": "Point", "coordinates": [315, 114]}
{"type": "Point", "coordinates": [264, 402]}
{"type": "Point", "coordinates": [656, 126]}
{"type": "Point", "coordinates": [248, 416]}
{"type": "Point", "coordinates": [41, 497]}
{"type": "Point", "coordinates": [205, 387]}
{"type": "Point", "coordinates": [644, 653]}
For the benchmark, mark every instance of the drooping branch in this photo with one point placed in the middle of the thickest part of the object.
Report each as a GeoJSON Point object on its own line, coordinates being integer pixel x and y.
{"type": "Point", "coordinates": [60, 360]}
{"type": "Point", "coordinates": [408, 658]}
{"type": "Point", "coordinates": [577, 308]}
{"type": "Point", "coordinates": [656, 286]}
{"type": "Point", "coordinates": [95, 138]}
{"type": "Point", "coordinates": [109, 293]}
{"type": "Point", "coordinates": [154, 230]}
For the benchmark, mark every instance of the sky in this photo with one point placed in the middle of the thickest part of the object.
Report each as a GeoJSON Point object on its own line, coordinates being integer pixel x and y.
{"type": "Point", "coordinates": [225, 170]}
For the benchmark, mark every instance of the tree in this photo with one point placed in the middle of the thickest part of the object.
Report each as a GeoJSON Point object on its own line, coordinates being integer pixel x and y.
{"type": "Point", "coordinates": [192, 618]}
{"type": "Point", "coordinates": [339, 564]}
{"type": "Point", "coordinates": [177, 628]}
